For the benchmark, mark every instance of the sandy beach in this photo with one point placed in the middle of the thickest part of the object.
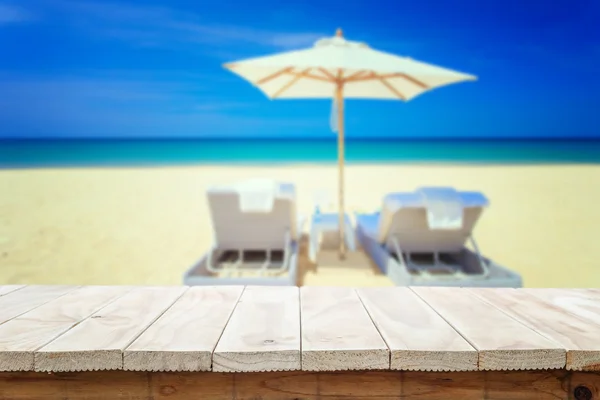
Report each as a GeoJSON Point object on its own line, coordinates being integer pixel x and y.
{"type": "Point", "coordinates": [148, 225]}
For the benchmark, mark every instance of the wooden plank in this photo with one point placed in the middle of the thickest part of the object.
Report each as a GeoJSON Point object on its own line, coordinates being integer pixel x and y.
{"type": "Point", "coordinates": [349, 385]}
{"type": "Point", "coordinates": [584, 303]}
{"type": "Point", "coordinates": [98, 342]}
{"type": "Point", "coordinates": [263, 333]}
{"type": "Point", "coordinates": [6, 289]}
{"type": "Point", "coordinates": [102, 385]}
{"type": "Point", "coordinates": [418, 338]}
{"type": "Point", "coordinates": [318, 385]}
{"type": "Point", "coordinates": [184, 337]}
{"type": "Point", "coordinates": [503, 343]}
{"type": "Point", "coordinates": [579, 337]}
{"type": "Point", "coordinates": [21, 336]}
{"type": "Point", "coordinates": [591, 293]}
{"type": "Point", "coordinates": [20, 301]}
{"type": "Point", "coordinates": [337, 332]}
{"type": "Point", "coordinates": [194, 386]}
{"type": "Point", "coordinates": [584, 386]}
{"type": "Point", "coordinates": [527, 385]}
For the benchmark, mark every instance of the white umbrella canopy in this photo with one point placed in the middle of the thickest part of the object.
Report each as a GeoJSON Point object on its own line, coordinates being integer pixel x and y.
{"type": "Point", "coordinates": [341, 69]}
{"type": "Point", "coordinates": [365, 73]}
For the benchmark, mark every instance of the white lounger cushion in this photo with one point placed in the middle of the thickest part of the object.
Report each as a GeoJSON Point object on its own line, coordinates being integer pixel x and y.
{"type": "Point", "coordinates": [255, 214]}
{"type": "Point", "coordinates": [444, 208]}
{"type": "Point", "coordinates": [257, 195]}
{"type": "Point", "coordinates": [407, 217]}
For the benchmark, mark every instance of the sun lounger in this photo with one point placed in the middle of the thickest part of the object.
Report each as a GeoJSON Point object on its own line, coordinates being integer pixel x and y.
{"type": "Point", "coordinates": [256, 230]}
{"type": "Point", "coordinates": [420, 238]}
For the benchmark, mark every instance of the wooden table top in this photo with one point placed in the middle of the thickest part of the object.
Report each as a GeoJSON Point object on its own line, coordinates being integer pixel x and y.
{"type": "Point", "coordinates": [255, 329]}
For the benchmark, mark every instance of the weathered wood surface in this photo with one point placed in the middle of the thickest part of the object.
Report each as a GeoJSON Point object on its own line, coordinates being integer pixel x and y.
{"type": "Point", "coordinates": [503, 342]}
{"type": "Point", "coordinates": [263, 333]}
{"type": "Point", "coordinates": [295, 385]}
{"type": "Point", "coordinates": [418, 338]}
{"type": "Point", "coordinates": [17, 302]}
{"type": "Point", "coordinates": [254, 329]}
{"type": "Point", "coordinates": [580, 337]}
{"type": "Point", "coordinates": [176, 342]}
{"type": "Point", "coordinates": [6, 289]}
{"type": "Point", "coordinates": [23, 335]}
{"type": "Point", "coordinates": [98, 342]}
{"type": "Point", "coordinates": [585, 304]}
{"type": "Point", "coordinates": [337, 332]}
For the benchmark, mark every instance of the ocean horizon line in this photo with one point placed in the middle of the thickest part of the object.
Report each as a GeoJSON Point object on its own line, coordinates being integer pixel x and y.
{"type": "Point", "coordinates": [291, 164]}
{"type": "Point", "coordinates": [131, 152]}
{"type": "Point", "coordinates": [441, 139]}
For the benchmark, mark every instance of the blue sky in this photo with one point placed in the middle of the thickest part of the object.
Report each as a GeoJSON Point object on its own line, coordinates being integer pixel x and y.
{"type": "Point", "coordinates": [97, 68]}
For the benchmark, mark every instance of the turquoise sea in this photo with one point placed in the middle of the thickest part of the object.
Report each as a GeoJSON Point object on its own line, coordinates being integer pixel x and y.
{"type": "Point", "coordinates": [118, 152]}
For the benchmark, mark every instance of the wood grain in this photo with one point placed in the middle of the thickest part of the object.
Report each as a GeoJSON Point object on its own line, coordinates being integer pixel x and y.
{"type": "Point", "coordinates": [6, 289]}
{"type": "Point", "coordinates": [263, 333]}
{"type": "Point", "coordinates": [528, 385]}
{"type": "Point", "coordinates": [580, 338]}
{"type": "Point", "coordinates": [503, 342]}
{"type": "Point", "coordinates": [20, 301]}
{"type": "Point", "coordinates": [318, 385]}
{"type": "Point", "coordinates": [98, 342]}
{"type": "Point", "coordinates": [584, 386]}
{"type": "Point", "coordinates": [22, 335]}
{"type": "Point", "coordinates": [337, 332]}
{"type": "Point", "coordinates": [104, 385]}
{"type": "Point", "coordinates": [312, 328]}
{"type": "Point", "coordinates": [184, 337]}
{"type": "Point", "coordinates": [583, 303]}
{"type": "Point", "coordinates": [349, 385]}
{"type": "Point", "coordinates": [418, 338]}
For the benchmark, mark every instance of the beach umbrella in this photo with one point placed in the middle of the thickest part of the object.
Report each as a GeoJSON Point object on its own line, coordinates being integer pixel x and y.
{"type": "Point", "coordinates": [339, 69]}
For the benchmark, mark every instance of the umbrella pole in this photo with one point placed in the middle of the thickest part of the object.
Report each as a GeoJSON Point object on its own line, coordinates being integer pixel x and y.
{"type": "Point", "coordinates": [341, 213]}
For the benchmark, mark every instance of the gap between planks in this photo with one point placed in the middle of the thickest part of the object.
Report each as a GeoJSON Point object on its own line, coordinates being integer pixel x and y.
{"type": "Point", "coordinates": [579, 336]}
{"type": "Point", "coordinates": [22, 300]}
{"type": "Point", "coordinates": [98, 342]}
{"type": "Point", "coordinates": [379, 329]}
{"type": "Point", "coordinates": [6, 289]}
{"type": "Point", "coordinates": [503, 343]}
{"type": "Point", "coordinates": [417, 337]}
{"type": "Point", "coordinates": [23, 335]}
{"type": "Point", "coordinates": [263, 333]}
{"type": "Point", "coordinates": [176, 342]}
{"type": "Point", "coordinates": [338, 333]}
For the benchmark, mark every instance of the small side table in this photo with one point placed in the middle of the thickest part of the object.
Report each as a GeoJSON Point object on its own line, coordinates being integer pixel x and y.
{"type": "Point", "coordinates": [328, 224]}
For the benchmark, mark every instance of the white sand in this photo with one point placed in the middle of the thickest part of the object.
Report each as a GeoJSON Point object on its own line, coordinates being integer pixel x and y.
{"type": "Point", "coordinates": [148, 225]}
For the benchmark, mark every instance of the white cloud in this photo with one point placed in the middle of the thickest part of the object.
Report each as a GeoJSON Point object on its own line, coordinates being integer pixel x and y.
{"type": "Point", "coordinates": [165, 27]}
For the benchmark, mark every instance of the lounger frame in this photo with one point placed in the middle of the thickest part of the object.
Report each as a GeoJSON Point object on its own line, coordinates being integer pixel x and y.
{"type": "Point", "coordinates": [261, 268]}
{"type": "Point", "coordinates": [391, 248]}
{"type": "Point", "coordinates": [239, 239]}
{"type": "Point", "coordinates": [405, 260]}
{"type": "Point", "coordinates": [495, 275]}
{"type": "Point", "coordinates": [200, 274]}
